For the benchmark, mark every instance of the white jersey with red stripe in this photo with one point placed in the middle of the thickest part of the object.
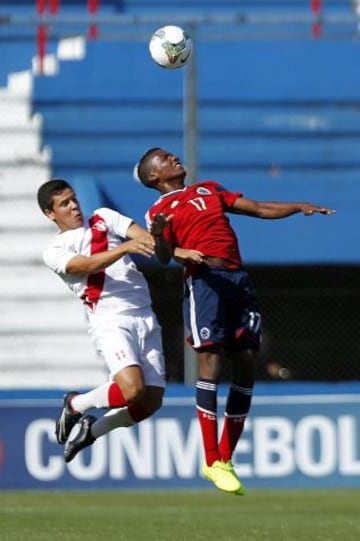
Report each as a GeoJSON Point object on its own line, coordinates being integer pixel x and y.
{"type": "Point", "coordinates": [115, 290]}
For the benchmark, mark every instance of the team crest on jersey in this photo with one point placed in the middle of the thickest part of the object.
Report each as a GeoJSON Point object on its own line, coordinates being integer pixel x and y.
{"type": "Point", "coordinates": [205, 333]}
{"type": "Point", "coordinates": [174, 204]}
{"type": "Point", "coordinates": [203, 191]}
{"type": "Point", "coordinates": [100, 226]}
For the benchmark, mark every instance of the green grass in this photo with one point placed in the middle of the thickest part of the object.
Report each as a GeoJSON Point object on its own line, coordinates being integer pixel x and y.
{"type": "Point", "coordinates": [265, 515]}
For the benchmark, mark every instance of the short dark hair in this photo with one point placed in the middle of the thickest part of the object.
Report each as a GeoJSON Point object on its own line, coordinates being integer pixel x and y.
{"type": "Point", "coordinates": [47, 191]}
{"type": "Point", "coordinates": [143, 167]}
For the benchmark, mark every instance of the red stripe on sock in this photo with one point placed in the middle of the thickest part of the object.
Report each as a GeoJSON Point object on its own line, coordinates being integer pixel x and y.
{"type": "Point", "coordinates": [116, 398]}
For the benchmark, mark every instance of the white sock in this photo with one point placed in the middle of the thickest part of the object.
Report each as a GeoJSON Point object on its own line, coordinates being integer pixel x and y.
{"type": "Point", "coordinates": [97, 398]}
{"type": "Point", "coordinates": [112, 419]}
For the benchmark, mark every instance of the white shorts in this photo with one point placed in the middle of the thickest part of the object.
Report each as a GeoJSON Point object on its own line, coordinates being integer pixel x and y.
{"type": "Point", "coordinates": [128, 340]}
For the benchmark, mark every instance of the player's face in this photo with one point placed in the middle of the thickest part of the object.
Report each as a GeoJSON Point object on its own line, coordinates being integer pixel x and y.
{"type": "Point", "coordinates": [66, 211]}
{"type": "Point", "coordinates": [168, 167]}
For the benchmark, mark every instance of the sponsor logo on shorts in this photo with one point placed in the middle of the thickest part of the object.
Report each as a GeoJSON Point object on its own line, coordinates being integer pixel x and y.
{"type": "Point", "coordinates": [205, 333]}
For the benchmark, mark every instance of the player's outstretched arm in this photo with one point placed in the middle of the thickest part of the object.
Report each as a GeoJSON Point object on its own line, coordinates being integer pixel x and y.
{"type": "Point", "coordinates": [308, 209]}
{"type": "Point", "coordinates": [276, 209]}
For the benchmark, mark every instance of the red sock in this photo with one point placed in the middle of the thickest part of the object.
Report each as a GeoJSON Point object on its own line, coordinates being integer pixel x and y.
{"type": "Point", "coordinates": [232, 429]}
{"type": "Point", "coordinates": [115, 397]}
{"type": "Point", "coordinates": [208, 424]}
{"type": "Point", "coordinates": [117, 400]}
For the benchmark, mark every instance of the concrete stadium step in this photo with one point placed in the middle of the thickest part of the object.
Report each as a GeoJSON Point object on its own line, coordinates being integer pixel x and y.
{"type": "Point", "coordinates": [34, 315]}
{"type": "Point", "coordinates": [54, 351]}
{"type": "Point", "coordinates": [21, 180]}
{"type": "Point", "coordinates": [26, 215]}
{"type": "Point", "coordinates": [15, 98]}
{"type": "Point", "coordinates": [19, 144]}
{"type": "Point", "coordinates": [27, 281]}
{"type": "Point", "coordinates": [45, 361]}
{"type": "Point", "coordinates": [33, 354]}
{"type": "Point", "coordinates": [24, 247]}
{"type": "Point", "coordinates": [56, 377]}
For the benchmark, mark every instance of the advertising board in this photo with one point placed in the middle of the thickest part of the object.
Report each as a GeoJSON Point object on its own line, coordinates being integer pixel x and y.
{"type": "Point", "coordinates": [291, 439]}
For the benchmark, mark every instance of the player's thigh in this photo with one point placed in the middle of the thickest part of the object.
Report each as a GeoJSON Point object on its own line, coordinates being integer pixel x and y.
{"type": "Point", "coordinates": [151, 351]}
{"type": "Point", "coordinates": [131, 382]}
{"type": "Point", "coordinates": [203, 310]}
{"type": "Point", "coordinates": [243, 366]}
{"type": "Point", "coordinates": [244, 316]}
{"type": "Point", "coordinates": [117, 341]}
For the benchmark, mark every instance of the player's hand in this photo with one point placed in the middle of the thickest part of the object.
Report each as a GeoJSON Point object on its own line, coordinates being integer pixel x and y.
{"type": "Point", "coordinates": [308, 209]}
{"type": "Point", "coordinates": [188, 256]}
{"type": "Point", "coordinates": [143, 245]}
{"type": "Point", "coordinates": [159, 223]}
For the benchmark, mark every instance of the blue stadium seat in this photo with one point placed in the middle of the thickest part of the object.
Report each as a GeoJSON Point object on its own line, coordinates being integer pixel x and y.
{"type": "Point", "coordinates": [276, 120]}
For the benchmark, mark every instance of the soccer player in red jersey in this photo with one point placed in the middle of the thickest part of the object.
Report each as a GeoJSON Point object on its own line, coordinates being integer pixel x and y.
{"type": "Point", "coordinates": [220, 306]}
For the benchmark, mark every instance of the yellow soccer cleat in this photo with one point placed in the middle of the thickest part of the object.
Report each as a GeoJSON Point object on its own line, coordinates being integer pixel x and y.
{"type": "Point", "coordinates": [223, 476]}
{"type": "Point", "coordinates": [241, 491]}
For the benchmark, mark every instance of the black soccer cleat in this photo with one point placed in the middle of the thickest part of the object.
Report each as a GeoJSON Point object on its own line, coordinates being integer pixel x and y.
{"type": "Point", "coordinates": [83, 438]}
{"type": "Point", "coordinates": [67, 419]}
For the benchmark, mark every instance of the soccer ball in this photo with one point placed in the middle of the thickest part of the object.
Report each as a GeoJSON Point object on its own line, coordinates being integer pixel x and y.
{"type": "Point", "coordinates": [170, 47]}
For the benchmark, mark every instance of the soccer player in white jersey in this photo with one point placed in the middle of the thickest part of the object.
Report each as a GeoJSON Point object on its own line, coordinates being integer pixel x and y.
{"type": "Point", "coordinates": [91, 255]}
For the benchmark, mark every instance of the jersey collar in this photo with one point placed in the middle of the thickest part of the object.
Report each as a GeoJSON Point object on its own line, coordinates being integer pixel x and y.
{"type": "Point", "coordinates": [172, 193]}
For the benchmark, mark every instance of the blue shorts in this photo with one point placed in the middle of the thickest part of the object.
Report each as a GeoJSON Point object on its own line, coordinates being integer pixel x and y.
{"type": "Point", "coordinates": [220, 307]}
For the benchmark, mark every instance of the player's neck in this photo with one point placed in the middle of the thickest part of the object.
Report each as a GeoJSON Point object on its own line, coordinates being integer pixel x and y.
{"type": "Point", "coordinates": [172, 187]}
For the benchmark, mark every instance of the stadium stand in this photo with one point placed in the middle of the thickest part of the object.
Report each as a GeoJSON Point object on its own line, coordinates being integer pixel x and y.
{"type": "Point", "coordinates": [296, 135]}
{"type": "Point", "coordinates": [277, 119]}
{"type": "Point", "coordinates": [38, 317]}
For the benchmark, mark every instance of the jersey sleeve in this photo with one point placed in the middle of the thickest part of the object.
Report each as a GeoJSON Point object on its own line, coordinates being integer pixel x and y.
{"type": "Point", "coordinates": [116, 222]}
{"type": "Point", "coordinates": [227, 198]}
{"type": "Point", "coordinates": [57, 256]}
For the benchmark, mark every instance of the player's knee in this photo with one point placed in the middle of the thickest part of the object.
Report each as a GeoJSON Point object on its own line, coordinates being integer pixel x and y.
{"type": "Point", "coordinates": [244, 366]}
{"type": "Point", "coordinates": [153, 400]}
{"type": "Point", "coordinates": [134, 391]}
{"type": "Point", "coordinates": [249, 356]}
{"type": "Point", "coordinates": [157, 403]}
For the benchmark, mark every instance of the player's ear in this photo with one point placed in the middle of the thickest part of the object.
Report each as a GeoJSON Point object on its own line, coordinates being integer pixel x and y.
{"type": "Point", "coordinates": [153, 176]}
{"type": "Point", "coordinates": [50, 214]}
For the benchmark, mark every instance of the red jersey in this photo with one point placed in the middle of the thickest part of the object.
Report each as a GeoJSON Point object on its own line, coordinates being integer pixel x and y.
{"type": "Point", "coordinates": [199, 221]}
